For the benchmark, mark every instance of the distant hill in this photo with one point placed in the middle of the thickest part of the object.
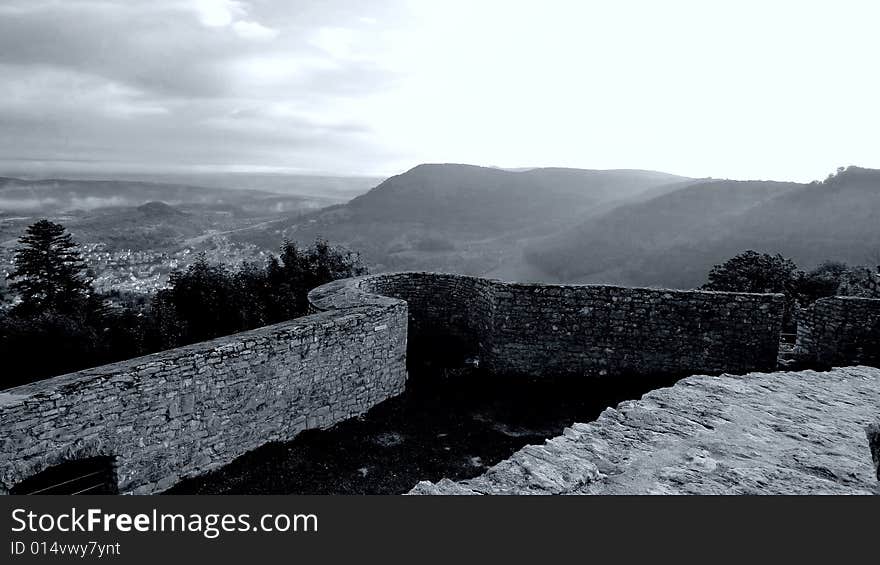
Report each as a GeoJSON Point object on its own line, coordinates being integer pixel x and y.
{"type": "Point", "coordinates": [675, 238]}
{"type": "Point", "coordinates": [333, 189]}
{"type": "Point", "coordinates": [486, 199]}
{"type": "Point", "coordinates": [628, 227]}
{"type": "Point", "coordinates": [464, 218]}
{"type": "Point", "coordinates": [142, 215]}
{"type": "Point", "coordinates": [159, 210]}
{"type": "Point", "coordinates": [835, 219]}
{"type": "Point", "coordinates": [54, 196]}
{"type": "Point", "coordinates": [154, 225]}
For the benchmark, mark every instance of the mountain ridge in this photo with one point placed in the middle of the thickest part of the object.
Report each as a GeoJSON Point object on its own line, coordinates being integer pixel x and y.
{"type": "Point", "coordinates": [675, 238]}
{"type": "Point", "coordinates": [463, 218]}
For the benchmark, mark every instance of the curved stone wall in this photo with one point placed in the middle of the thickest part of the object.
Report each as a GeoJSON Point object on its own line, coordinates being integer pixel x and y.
{"type": "Point", "coordinates": [186, 411]}
{"type": "Point", "coordinates": [537, 329]}
{"type": "Point", "coordinates": [189, 410]}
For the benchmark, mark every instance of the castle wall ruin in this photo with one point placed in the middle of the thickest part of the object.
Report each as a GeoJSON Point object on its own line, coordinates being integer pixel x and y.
{"type": "Point", "coordinates": [187, 411]}
{"type": "Point", "coordinates": [840, 330]}
{"type": "Point", "coordinates": [535, 329]}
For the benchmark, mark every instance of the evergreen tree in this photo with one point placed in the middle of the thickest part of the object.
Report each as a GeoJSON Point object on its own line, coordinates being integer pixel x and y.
{"type": "Point", "coordinates": [50, 274]}
{"type": "Point", "coordinates": [61, 313]}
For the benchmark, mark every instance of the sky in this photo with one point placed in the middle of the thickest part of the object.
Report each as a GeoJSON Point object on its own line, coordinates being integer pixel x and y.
{"type": "Point", "coordinates": [784, 90]}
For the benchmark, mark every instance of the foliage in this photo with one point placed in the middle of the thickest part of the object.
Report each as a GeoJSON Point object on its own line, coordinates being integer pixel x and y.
{"type": "Point", "coordinates": [760, 272]}
{"type": "Point", "coordinates": [862, 282]}
{"type": "Point", "coordinates": [45, 343]}
{"type": "Point", "coordinates": [49, 271]}
{"type": "Point", "coordinates": [822, 281]}
{"type": "Point", "coordinates": [208, 301]}
{"type": "Point", "coordinates": [59, 323]}
{"type": "Point", "coordinates": [755, 272]}
{"type": "Point", "coordinates": [751, 271]}
{"type": "Point", "coordinates": [60, 314]}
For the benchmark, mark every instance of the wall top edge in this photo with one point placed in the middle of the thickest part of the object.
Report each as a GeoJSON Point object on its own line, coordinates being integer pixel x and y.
{"type": "Point", "coordinates": [291, 329]}
{"type": "Point", "coordinates": [538, 285]}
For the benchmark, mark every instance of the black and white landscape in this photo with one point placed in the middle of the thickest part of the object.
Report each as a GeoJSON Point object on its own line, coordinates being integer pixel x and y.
{"type": "Point", "coordinates": [257, 247]}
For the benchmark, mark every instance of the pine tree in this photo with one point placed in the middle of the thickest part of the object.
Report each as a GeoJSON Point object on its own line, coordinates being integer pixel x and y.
{"type": "Point", "coordinates": [49, 271]}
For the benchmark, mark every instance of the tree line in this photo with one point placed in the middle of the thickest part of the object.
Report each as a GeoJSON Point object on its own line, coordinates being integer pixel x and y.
{"type": "Point", "coordinates": [58, 323]}
{"type": "Point", "coordinates": [751, 271]}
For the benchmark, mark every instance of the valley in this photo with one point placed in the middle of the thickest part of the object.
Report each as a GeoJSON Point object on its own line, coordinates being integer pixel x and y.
{"type": "Point", "coordinates": [629, 227]}
{"type": "Point", "coordinates": [134, 233]}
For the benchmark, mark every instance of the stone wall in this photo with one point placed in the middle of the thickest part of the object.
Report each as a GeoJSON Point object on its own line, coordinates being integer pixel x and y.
{"type": "Point", "coordinates": [189, 410]}
{"type": "Point", "coordinates": [448, 314]}
{"type": "Point", "coordinates": [613, 330]}
{"type": "Point", "coordinates": [840, 330]}
{"type": "Point", "coordinates": [536, 329]}
{"type": "Point", "coordinates": [186, 411]}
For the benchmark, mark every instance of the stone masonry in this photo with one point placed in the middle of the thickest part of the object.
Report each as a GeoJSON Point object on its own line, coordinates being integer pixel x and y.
{"type": "Point", "coordinates": [189, 410]}
{"type": "Point", "coordinates": [186, 411]}
{"type": "Point", "coordinates": [840, 330]}
{"type": "Point", "coordinates": [535, 329]}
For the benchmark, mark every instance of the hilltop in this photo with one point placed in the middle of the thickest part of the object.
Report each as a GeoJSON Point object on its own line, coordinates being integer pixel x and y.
{"type": "Point", "coordinates": [464, 218]}
{"type": "Point", "coordinates": [630, 227]}
{"type": "Point", "coordinates": [157, 209]}
{"type": "Point", "coordinates": [674, 239]}
{"type": "Point", "coordinates": [486, 199]}
{"type": "Point", "coordinates": [154, 225]}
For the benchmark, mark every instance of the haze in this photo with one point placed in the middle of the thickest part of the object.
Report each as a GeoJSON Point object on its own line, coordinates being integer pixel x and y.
{"type": "Point", "coordinates": [745, 89]}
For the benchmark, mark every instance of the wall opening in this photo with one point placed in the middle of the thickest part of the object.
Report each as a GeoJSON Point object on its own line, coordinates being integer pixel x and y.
{"type": "Point", "coordinates": [94, 475]}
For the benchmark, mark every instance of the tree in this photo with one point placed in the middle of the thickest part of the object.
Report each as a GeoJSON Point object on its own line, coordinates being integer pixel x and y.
{"type": "Point", "coordinates": [203, 301]}
{"type": "Point", "coordinates": [822, 281]}
{"type": "Point", "coordinates": [860, 281]}
{"type": "Point", "coordinates": [60, 313]}
{"type": "Point", "coordinates": [50, 274]}
{"type": "Point", "coordinates": [47, 343]}
{"type": "Point", "coordinates": [759, 272]}
{"type": "Point", "coordinates": [208, 301]}
{"type": "Point", "coordinates": [755, 272]}
{"type": "Point", "coordinates": [305, 269]}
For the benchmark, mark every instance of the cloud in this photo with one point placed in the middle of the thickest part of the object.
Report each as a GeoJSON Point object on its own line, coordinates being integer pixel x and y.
{"type": "Point", "coordinates": [335, 41]}
{"type": "Point", "coordinates": [352, 86]}
{"type": "Point", "coordinates": [218, 13]}
{"type": "Point", "coordinates": [254, 31]}
{"type": "Point", "coordinates": [184, 81]}
{"type": "Point", "coordinates": [232, 14]}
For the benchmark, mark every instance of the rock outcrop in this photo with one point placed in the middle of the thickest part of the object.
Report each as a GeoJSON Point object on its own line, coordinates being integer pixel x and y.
{"type": "Point", "coordinates": [761, 433]}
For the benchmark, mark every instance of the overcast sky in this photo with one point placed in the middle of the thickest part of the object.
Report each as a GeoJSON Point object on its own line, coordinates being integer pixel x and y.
{"type": "Point", "coordinates": [740, 89]}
